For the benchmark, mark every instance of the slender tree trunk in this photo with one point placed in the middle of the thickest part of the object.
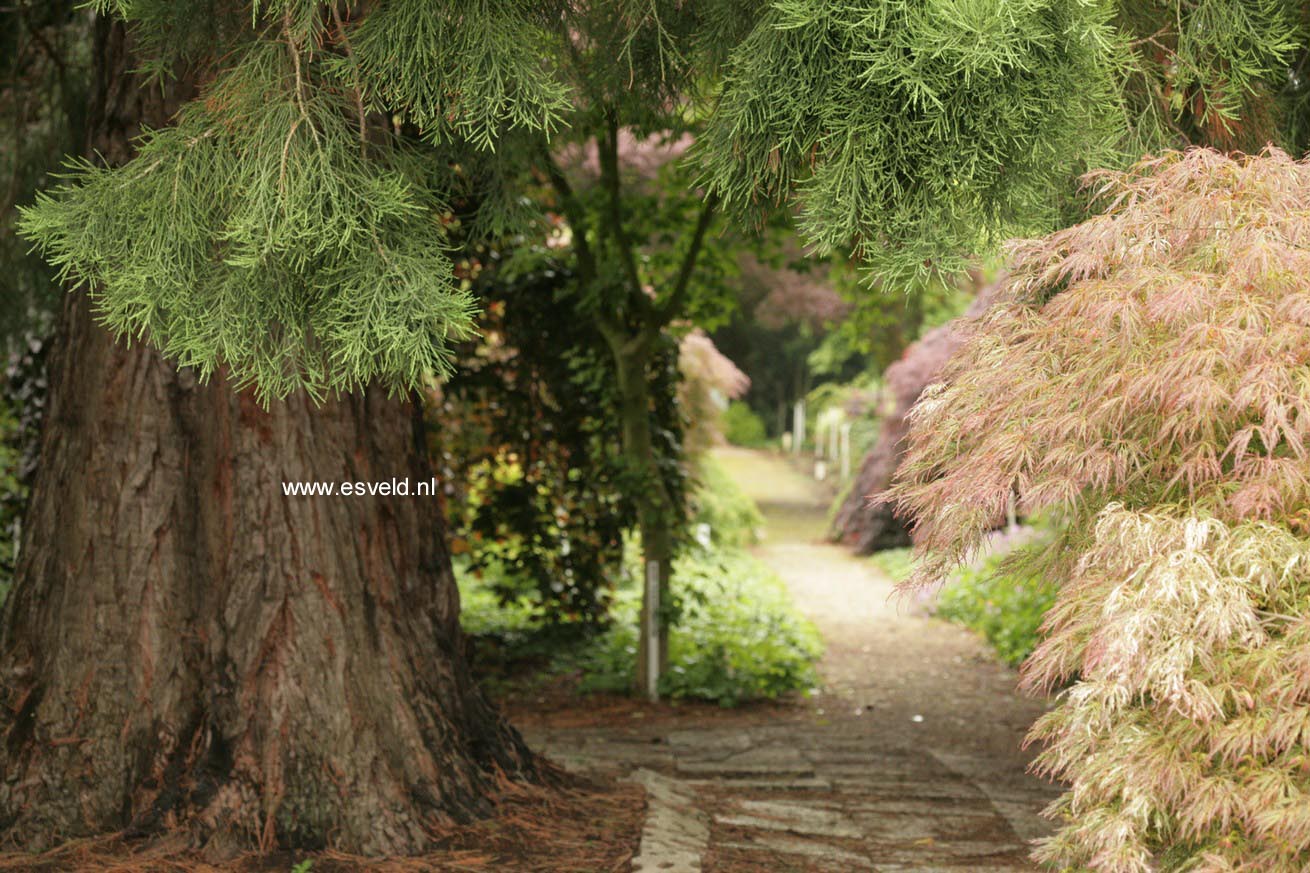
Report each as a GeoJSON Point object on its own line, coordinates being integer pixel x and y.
{"type": "Point", "coordinates": [186, 647]}
{"type": "Point", "coordinates": [654, 504]}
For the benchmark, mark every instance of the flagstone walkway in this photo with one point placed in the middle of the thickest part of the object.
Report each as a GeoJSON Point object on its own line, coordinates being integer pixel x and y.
{"type": "Point", "coordinates": [909, 759]}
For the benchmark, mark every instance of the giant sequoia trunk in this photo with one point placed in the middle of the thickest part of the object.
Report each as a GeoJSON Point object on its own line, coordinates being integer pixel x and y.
{"type": "Point", "coordinates": [860, 522]}
{"type": "Point", "coordinates": [187, 647]}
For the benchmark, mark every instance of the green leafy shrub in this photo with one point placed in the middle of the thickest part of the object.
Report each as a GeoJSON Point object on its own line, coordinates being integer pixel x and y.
{"type": "Point", "coordinates": [742, 426]}
{"type": "Point", "coordinates": [528, 435]}
{"type": "Point", "coordinates": [1000, 602]}
{"type": "Point", "coordinates": [732, 516]}
{"type": "Point", "coordinates": [736, 636]}
{"type": "Point", "coordinates": [485, 612]}
{"type": "Point", "coordinates": [1147, 373]}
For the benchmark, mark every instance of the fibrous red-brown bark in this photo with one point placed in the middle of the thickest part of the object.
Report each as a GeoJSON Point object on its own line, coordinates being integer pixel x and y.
{"type": "Point", "coordinates": [860, 522]}
{"type": "Point", "coordinates": [186, 647]}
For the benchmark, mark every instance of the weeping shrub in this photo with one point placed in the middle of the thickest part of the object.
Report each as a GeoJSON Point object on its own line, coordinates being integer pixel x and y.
{"type": "Point", "coordinates": [1147, 374]}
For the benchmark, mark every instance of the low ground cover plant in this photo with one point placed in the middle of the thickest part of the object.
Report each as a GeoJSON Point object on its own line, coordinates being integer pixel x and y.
{"type": "Point", "coordinates": [721, 510]}
{"type": "Point", "coordinates": [1002, 603]}
{"type": "Point", "coordinates": [997, 598]}
{"type": "Point", "coordinates": [736, 635]}
{"type": "Point", "coordinates": [742, 426]}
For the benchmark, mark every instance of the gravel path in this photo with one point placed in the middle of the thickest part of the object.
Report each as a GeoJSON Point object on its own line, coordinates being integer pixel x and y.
{"type": "Point", "coordinates": [909, 759]}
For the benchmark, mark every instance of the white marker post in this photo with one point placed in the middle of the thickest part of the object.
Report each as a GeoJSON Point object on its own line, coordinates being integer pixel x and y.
{"type": "Point", "coordinates": [653, 630]}
{"type": "Point", "coordinates": [798, 427]}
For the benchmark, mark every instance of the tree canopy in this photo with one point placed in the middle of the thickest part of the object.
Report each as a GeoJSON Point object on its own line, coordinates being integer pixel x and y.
{"type": "Point", "coordinates": [919, 135]}
{"type": "Point", "coordinates": [291, 227]}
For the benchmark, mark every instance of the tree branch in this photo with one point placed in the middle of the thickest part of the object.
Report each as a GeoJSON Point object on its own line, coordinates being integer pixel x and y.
{"type": "Point", "coordinates": [358, 86]}
{"type": "Point", "coordinates": [607, 151]}
{"type": "Point", "coordinates": [573, 212]}
{"type": "Point", "coordinates": [681, 285]}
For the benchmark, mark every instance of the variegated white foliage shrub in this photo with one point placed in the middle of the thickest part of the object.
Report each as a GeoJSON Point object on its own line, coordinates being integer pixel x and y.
{"type": "Point", "coordinates": [1186, 740]}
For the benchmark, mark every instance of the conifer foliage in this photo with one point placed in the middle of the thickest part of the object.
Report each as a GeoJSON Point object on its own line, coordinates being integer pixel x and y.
{"type": "Point", "coordinates": [283, 227]}
{"type": "Point", "coordinates": [914, 130]}
{"type": "Point", "coordinates": [1156, 392]}
{"type": "Point", "coordinates": [919, 134]}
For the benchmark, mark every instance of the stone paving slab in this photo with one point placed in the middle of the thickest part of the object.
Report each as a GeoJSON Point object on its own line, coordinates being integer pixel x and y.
{"type": "Point", "coordinates": [676, 833]}
{"type": "Point", "coordinates": [764, 785]}
{"type": "Point", "coordinates": [824, 855]}
{"type": "Point", "coordinates": [795, 818]}
{"type": "Point", "coordinates": [821, 804]}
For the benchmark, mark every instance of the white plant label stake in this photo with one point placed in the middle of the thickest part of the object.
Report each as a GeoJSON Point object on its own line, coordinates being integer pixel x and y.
{"type": "Point", "coordinates": [653, 629]}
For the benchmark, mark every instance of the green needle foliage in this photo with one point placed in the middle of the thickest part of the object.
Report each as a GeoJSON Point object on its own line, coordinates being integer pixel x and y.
{"type": "Point", "coordinates": [913, 131]}
{"type": "Point", "coordinates": [256, 232]}
{"type": "Point", "coordinates": [1207, 71]}
{"type": "Point", "coordinates": [921, 133]}
{"type": "Point", "coordinates": [284, 227]}
{"type": "Point", "coordinates": [1156, 393]}
{"type": "Point", "coordinates": [466, 71]}
{"type": "Point", "coordinates": [290, 226]}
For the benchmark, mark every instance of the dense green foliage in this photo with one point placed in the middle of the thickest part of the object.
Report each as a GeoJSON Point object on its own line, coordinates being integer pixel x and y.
{"type": "Point", "coordinates": [994, 597]}
{"type": "Point", "coordinates": [742, 426]}
{"type": "Point", "coordinates": [1213, 72]}
{"type": "Point", "coordinates": [735, 634]}
{"type": "Point", "coordinates": [281, 226]}
{"type": "Point", "coordinates": [264, 235]}
{"type": "Point", "coordinates": [719, 503]}
{"type": "Point", "coordinates": [912, 130]}
{"type": "Point", "coordinates": [1157, 395]}
{"type": "Point", "coordinates": [918, 134]}
{"type": "Point", "coordinates": [287, 227]}
{"type": "Point", "coordinates": [527, 433]}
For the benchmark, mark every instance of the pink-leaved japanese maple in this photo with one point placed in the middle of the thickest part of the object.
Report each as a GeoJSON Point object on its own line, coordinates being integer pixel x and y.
{"type": "Point", "coordinates": [1145, 376]}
